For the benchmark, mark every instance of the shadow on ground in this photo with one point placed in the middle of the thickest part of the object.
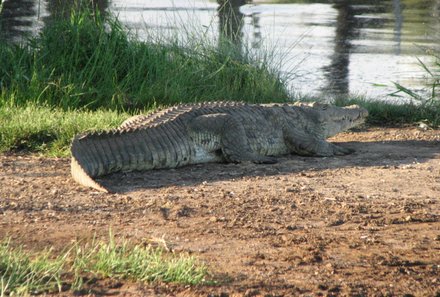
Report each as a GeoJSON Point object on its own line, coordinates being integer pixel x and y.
{"type": "Point", "coordinates": [367, 154]}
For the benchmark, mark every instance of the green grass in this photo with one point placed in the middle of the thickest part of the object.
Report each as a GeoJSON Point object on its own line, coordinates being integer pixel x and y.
{"type": "Point", "coordinates": [382, 113]}
{"type": "Point", "coordinates": [139, 263]}
{"type": "Point", "coordinates": [23, 272]}
{"type": "Point", "coordinates": [89, 60]}
{"type": "Point", "coordinates": [49, 130]}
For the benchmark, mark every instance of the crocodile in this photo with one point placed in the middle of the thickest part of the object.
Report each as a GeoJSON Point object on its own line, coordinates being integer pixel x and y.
{"type": "Point", "coordinates": [211, 132]}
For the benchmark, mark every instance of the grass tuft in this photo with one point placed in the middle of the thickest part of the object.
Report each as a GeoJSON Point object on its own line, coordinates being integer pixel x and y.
{"type": "Point", "coordinates": [23, 273]}
{"type": "Point", "coordinates": [138, 262]}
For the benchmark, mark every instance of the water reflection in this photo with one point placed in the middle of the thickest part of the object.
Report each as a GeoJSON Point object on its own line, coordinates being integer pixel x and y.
{"type": "Point", "coordinates": [397, 11]}
{"type": "Point", "coordinates": [230, 21]}
{"type": "Point", "coordinates": [21, 18]}
{"type": "Point", "coordinates": [64, 7]}
{"type": "Point", "coordinates": [346, 30]}
{"type": "Point", "coordinates": [17, 18]}
{"type": "Point", "coordinates": [257, 39]}
{"type": "Point", "coordinates": [353, 46]}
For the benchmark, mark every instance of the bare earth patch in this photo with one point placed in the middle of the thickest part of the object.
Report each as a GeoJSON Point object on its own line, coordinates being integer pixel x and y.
{"type": "Point", "coordinates": [367, 224]}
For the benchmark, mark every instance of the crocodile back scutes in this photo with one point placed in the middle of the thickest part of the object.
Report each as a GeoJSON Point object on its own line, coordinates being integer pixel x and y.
{"type": "Point", "coordinates": [171, 113]}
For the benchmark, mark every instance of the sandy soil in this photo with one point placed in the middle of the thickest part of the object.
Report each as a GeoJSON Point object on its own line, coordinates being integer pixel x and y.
{"type": "Point", "coordinates": [367, 224]}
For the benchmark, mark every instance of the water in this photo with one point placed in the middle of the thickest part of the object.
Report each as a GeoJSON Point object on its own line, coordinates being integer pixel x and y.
{"type": "Point", "coordinates": [329, 48]}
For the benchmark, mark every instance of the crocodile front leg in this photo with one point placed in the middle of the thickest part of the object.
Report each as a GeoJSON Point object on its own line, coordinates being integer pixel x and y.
{"type": "Point", "coordinates": [233, 140]}
{"type": "Point", "coordinates": [305, 144]}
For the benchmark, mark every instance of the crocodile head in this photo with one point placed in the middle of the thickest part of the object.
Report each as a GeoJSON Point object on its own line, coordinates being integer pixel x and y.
{"type": "Point", "coordinates": [333, 119]}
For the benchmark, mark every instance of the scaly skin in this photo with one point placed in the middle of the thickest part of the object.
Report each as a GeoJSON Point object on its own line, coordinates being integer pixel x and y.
{"type": "Point", "coordinates": [211, 132]}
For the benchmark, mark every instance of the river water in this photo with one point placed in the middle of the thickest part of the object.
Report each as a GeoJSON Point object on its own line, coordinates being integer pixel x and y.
{"type": "Point", "coordinates": [327, 48]}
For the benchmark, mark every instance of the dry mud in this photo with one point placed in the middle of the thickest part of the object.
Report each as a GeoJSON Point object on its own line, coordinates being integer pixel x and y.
{"type": "Point", "coordinates": [366, 224]}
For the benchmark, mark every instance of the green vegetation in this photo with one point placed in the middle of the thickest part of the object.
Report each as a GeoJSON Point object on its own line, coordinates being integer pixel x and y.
{"type": "Point", "coordinates": [49, 130]}
{"type": "Point", "coordinates": [21, 274]}
{"type": "Point", "coordinates": [432, 91]}
{"type": "Point", "coordinates": [382, 113]}
{"type": "Point", "coordinates": [422, 108]}
{"type": "Point", "coordinates": [89, 60]}
{"type": "Point", "coordinates": [24, 273]}
{"type": "Point", "coordinates": [139, 263]}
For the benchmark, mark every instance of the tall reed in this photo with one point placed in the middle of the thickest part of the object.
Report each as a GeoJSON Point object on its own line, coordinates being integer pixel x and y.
{"type": "Point", "coordinates": [88, 60]}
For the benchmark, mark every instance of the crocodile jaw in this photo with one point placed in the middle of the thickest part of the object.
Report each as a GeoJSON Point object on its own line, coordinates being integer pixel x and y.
{"type": "Point", "coordinates": [342, 118]}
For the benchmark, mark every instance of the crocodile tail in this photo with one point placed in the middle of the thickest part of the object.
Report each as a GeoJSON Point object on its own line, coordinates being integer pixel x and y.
{"type": "Point", "coordinates": [79, 171]}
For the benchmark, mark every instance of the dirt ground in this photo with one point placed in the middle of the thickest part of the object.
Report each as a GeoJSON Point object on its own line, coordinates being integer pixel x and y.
{"type": "Point", "coordinates": [366, 224]}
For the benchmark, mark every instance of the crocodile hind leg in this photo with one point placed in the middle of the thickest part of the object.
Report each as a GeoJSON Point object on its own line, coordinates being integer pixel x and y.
{"type": "Point", "coordinates": [233, 140]}
{"type": "Point", "coordinates": [305, 144]}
